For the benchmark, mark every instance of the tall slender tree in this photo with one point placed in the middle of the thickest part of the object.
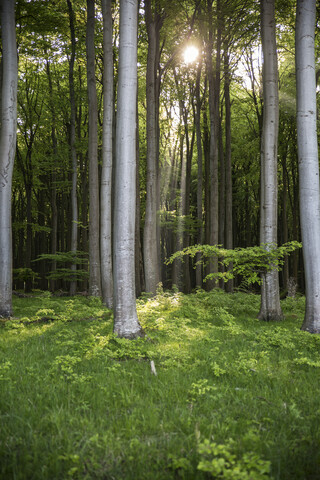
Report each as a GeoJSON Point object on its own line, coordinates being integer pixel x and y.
{"type": "Point", "coordinates": [74, 198]}
{"type": "Point", "coordinates": [214, 97]}
{"type": "Point", "coordinates": [197, 121]}
{"type": "Point", "coordinates": [8, 131]}
{"type": "Point", "coordinates": [151, 243]}
{"type": "Point", "coordinates": [94, 218]}
{"type": "Point", "coordinates": [107, 152]}
{"type": "Point", "coordinates": [228, 160]}
{"type": "Point", "coordinates": [126, 322]}
{"type": "Point", "coordinates": [308, 159]}
{"type": "Point", "coordinates": [270, 308]}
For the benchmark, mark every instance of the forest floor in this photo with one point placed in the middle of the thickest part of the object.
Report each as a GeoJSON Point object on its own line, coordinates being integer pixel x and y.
{"type": "Point", "coordinates": [234, 398]}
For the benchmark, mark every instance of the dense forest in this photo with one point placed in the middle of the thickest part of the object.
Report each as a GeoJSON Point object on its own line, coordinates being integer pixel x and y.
{"type": "Point", "coordinates": [143, 130]}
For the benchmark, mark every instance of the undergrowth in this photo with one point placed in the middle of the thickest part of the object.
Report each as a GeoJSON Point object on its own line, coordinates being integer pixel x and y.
{"type": "Point", "coordinates": [233, 398]}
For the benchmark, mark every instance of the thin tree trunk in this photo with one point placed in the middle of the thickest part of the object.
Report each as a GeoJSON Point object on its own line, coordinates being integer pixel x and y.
{"type": "Point", "coordinates": [94, 216]}
{"type": "Point", "coordinates": [177, 273]}
{"type": "Point", "coordinates": [126, 322]}
{"type": "Point", "coordinates": [107, 153]}
{"type": "Point", "coordinates": [308, 159]}
{"type": "Point", "coordinates": [139, 272]}
{"type": "Point", "coordinates": [54, 225]}
{"type": "Point", "coordinates": [151, 244]}
{"type": "Point", "coordinates": [222, 196]}
{"type": "Point", "coordinates": [199, 176]}
{"type": "Point", "coordinates": [74, 199]}
{"type": "Point", "coordinates": [270, 308]}
{"type": "Point", "coordinates": [29, 239]}
{"type": "Point", "coordinates": [186, 202]}
{"type": "Point", "coordinates": [8, 131]}
{"type": "Point", "coordinates": [214, 92]}
{"type": "Point", "coordinates": [284, 219]}
{"type": "Point", "coordinates": [228, 164]}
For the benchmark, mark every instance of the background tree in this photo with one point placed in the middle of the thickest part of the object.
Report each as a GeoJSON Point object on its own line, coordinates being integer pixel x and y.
{"type": "Point", "coordinates": [74, 181]}
{"type": "Point", "coordinates": [151, 242]}
{"type": "Point", "coordinates": [107, 152]}
{"type": "Point", "coordinates": [94, 215]}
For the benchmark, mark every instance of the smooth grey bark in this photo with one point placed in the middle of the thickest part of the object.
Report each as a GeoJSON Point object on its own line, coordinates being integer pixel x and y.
{"type": "Point", "coordinates": [197, 121]}
{"type": "Point", "coordinates": [107, 152]}
{"type": "Point", "coordinates": [284, 220]}
{"type": "Point", "coordinates": [177, 268]}
{"type": "Point", "coordinates": [308, 159]}
{"type": "Point", "coordinates": [94, 214]}
{"type": "Point", "coordinates": [139, 275]}
{"type": "Point", "coordinates": [126, 322]}
{"type": "Point", "coordinates": [228, 163]}
{"type": "Point", "coordinates": [178, 272]}
{"type": "Point", "coordinates": [74, 198]}
{"type": "Point", "coordinates": [270, 308]}
{"type": "Point", "coordinates": [222, 193]}
{"type": "Point", "coordinates": [151, 244]}
{"type": "Point", "coordinates": [8, 132]}
{"type": "Point", "coordinates": [214, 90]}
{"type": "Point", "coordinates": [186, 200]}
{"type": "Point", "coordinates": [54, 218]}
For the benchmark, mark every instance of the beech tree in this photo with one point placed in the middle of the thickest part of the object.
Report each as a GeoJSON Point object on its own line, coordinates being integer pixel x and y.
{"type": "Point", "coordinates": [94, 218]}
{"type": "Point", "coordinates": [214, 94]}
{"type": "Point", "coordinates": [74, 199]}
{"type": "Point", "coordinates": [308, 159]}
{"type": "Point", "coordinates": [126, 322]}
{"type": "Point", "coordinates": [107, 152]}
{"type": "Point", "coordinates": [8, 131]}
{"type": "Point", "coordinates": [150, 241]}
{"type": "Point", "coordinates": [270, 298]}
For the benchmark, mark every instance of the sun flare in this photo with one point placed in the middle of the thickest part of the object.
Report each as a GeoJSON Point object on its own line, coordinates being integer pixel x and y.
{"type": "Point", "coordinates": [190, 54]}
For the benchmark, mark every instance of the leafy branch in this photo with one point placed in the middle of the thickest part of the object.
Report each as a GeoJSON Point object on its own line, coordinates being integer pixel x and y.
{"type": "Point", "coordinates": [248, 262]}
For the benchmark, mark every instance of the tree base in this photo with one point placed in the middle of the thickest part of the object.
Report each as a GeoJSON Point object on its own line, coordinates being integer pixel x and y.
{"type": "Point", "coordinates": [311, 325]}
{"type": "Point", "coordinates": [126, 331]}
{"type": "Point", "coordinates": [272, 316]}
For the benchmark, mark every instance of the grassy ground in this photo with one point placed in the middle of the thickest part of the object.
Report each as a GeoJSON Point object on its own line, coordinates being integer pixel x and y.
{"type": "Point", "coordinates": [233, 398]}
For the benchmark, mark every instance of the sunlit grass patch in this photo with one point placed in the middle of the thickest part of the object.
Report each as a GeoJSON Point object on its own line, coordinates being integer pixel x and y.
{"type": "Point", "coordinates": [78, 402]}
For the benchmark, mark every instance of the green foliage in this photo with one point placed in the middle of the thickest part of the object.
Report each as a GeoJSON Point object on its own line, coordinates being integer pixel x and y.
{"type": "Point", "coordinates": [220, 461]}
{"type": "Point", "coordinates": [63, 273]}
{"type": "Point", "coordinates": [24, 274]}
{"type": "Point", "coordinates": [248, 262]}
{"type": "Point", "coordinates": [78, 402]}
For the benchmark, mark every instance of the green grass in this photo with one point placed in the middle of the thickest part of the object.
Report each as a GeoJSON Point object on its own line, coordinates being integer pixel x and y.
{"type": "Point", "coordinates": [234, 398]}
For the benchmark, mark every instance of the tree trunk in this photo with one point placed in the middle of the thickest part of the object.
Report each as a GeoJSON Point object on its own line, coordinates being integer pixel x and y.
{"type": "Point", "coordinates": [29, 239]}
{"type": "Point", "coordinates": [270, 308]}
{"type": "Point", "coordinates": [186, 200]}
{"type": "Point", "coordinates": [222, 195]}
{"type": "Point", "coordinates": [214, 93]}
{"type": "Point", "coordinates": [8, 131]}
{"type": "Point", "coordinates": [177, 271]}
{"type": "Point", "coordinates": [74, 199]}
{"type": "Point", "coordinates": [285, 270]}
{"type": "Point", "coordinates": [151, 244]}
{"type": "Point", "coordinates": [94, 217]}
{"type": "Point", "coordinates": [197, 120]}
{"type": "Point", "coordinates": [126, 322]}
{"type": "Point", "coordinates": [228, 164]}
{"type": "Point", "coordinates": [107, 152]}
{"type": "Point", "coordinates": [308, 159]}
{"type": "Point", "coordinates": [139, 271]}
